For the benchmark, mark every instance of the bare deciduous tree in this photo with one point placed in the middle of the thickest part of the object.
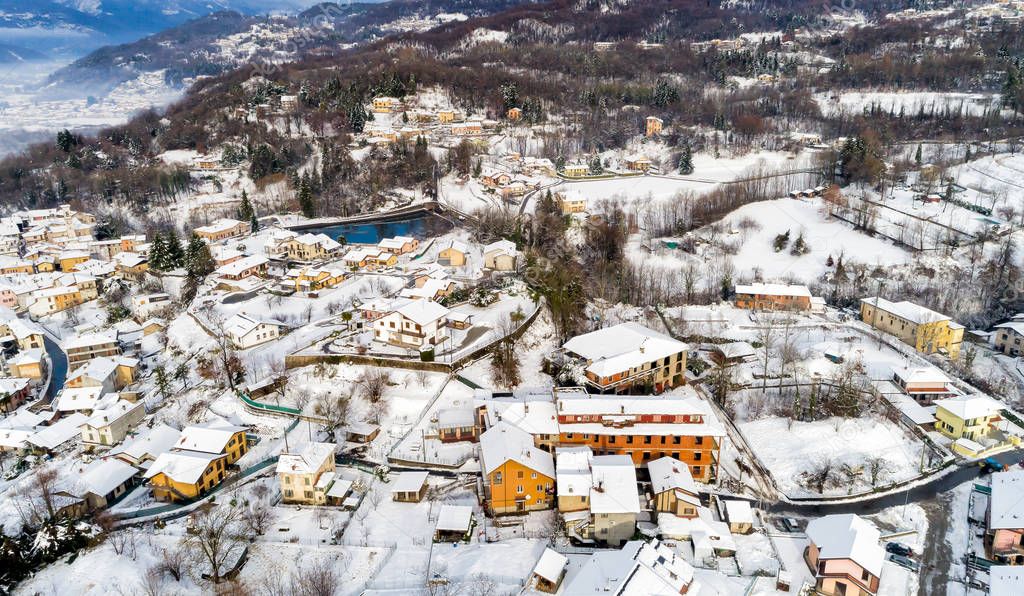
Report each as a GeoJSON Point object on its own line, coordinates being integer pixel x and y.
{"type": "Point", "coordinates": [215, 537]}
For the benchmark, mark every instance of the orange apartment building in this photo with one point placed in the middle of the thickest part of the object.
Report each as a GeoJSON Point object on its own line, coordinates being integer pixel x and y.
{"type": "Point", "coordinates": [644, 428]}
{"type": "Point", "coordinates": [518, 477]}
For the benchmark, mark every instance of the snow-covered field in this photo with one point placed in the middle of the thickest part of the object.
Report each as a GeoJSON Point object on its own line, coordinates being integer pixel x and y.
{"type": "Point", "coordinates": [792, 448]}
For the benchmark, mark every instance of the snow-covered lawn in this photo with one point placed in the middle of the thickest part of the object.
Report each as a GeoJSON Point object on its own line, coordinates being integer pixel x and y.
{"type": "Point", "coordinates": [823, 235]}
{"type": "Point", "coordinates": [791, 449]}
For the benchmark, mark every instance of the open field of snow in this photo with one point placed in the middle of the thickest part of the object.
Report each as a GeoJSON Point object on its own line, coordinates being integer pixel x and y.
{"type": "Point", "coordinates": [792, 448]}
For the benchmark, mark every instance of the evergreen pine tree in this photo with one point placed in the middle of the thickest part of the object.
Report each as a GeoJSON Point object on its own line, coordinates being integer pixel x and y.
{"type": "Point", "coordinates": [917, 156]}
{"type": "Point", "coordinates": [306, 203]}
{"type": "Point", "coordinates": [254, 223]}
{"type": "Point", "coordinates": [198, 261]}
{"type": "Point", "coordinates": [595, 166]}
{"type": "Point", "coordinates": [245, 210]}
{"type": "Point", "coordinates": [175, 252]}
{"type": "Point", "coordinates": [1012, 87]}
{"type": "Point", "coordinates": [158, 253]}
{"type": "Point", "coordinates": [686, 160]}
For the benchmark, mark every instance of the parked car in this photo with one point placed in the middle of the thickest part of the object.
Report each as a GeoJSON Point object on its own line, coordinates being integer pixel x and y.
{"type": "Point", "coordinates": [991, 464]}
{"type": "Point", "coordinates": [904, 562]}
{"type": "Point", "coordinates": [898, 548]}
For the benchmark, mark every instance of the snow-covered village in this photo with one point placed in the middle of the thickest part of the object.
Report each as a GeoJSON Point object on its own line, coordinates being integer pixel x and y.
{"type": "Point", "coordinates": [519, 298]}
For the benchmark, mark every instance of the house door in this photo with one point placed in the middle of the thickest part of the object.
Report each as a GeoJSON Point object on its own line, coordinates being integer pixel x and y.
{"type": "Point", "coordinates": [520, 506]}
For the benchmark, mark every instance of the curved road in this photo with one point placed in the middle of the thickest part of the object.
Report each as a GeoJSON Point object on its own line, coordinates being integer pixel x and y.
{"type": "Point", "coordinates": [920, 492]}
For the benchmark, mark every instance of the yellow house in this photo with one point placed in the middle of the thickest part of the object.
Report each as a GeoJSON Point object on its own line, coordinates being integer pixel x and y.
{"type": "Point", "coordinates": [52, 300]}
{"type": "Point", "coordinates": [27, 364]}
{"type": "Point", "coordinates": [446, 116]}
{"type": "Point", "coordinates": [386, 105]}
{"type": "Point", "coordinates": [197, 462]}
{"type": "Point", "coordinates": [966, 416]}
{"type": "Point", "coordinates": [514, 114]}
{"type": "Point", "coordinates": [312, 279]}
{"type": "Point", "coordinates": [17, 266]}
{"type": "Point", "coordinates": [654, 126]}
{"type": "Point", "coordinates": [184, 475]}
{"type": "Point", "coordinates": [923, 328]}
{"type": "Point", "coordinates": [454, 254]}
{"type": "Point", "coordinates": [571, 202]}
{"type": "Point", "coordinates": [69, 259]}
{"type": "Point", "coordinates": [576, 170]}
{"type": "Point", "coordinates": [518, 477]}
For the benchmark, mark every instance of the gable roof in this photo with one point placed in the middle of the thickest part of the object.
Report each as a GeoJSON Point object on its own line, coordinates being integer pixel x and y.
{"type": "Point", "coordinates": [308, 461]}
{"type": "Point", "coordinates": [621, 347]}
{"type": "Point", "coordinates": [422, 312]}
{"type": "Point", "coordinates": [102, 477]}
{"type": "Point", "coordinates": [848, 536]}
{"type": "Point", "coordinates": [241, 324]}
{"type": "Point", "coordinates": [182, 466]}
{"type": "Point", "coordinates": [906, 310]}
{"type": "Point", "coordinates": [668, 473]}
{"type": "Point", "coordinates": [504, 442]}
{"type": "Point", "coordinates": [58, 433]}
{"type": "Point", "coordinates": [211, 437]}
{"type": "Point", "coordinates": [409, 482]}
{"type": "Point", "coordinates": [613, 485]}
{"type": "Point", "coordinates": [159, 439]}
{"type": "Point", "coordinates": [967, 407]}
{"type": "Point", "coordinates": [551, 565]}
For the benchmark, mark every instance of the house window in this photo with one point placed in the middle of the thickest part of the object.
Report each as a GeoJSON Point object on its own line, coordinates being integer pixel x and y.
{"type": "Point", "coordinates": [497, 477]}
{"type": "Point", "coordinates": [519, 489]}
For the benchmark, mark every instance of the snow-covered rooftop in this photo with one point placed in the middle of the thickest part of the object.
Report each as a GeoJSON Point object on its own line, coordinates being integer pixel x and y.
{"type": "Point", "coordinates": [422, 312]}
{"type": "Point", "coordinates": [207, 438]}
{"type": "Point", "coordinates": [409, 482]}
{"type": "Point", "coordinates": [668, 473]}
{"type": "Point", "coordinates": [968, 407]}
{"type": "Point", "coordinates": [619, 348]}
{"type": "Point", "coordinates": [764, 289]}
{"type": "Point", "coordinates": [182, 466]}
{"type": "Point", "coordinates": [454, 518]}
{"type": "Point", "coordinates": [847, 536]}
{"type": "Point", "coordinates": [1007, 501]}
{"type": "Point", "coordinates": [308, 461]}
{"type": "Point", "coordinates": [906, 310]}
{"type": "Point", "coordinates": [504, 442]}
{"type": "Point", "coordinates": [613, 485]}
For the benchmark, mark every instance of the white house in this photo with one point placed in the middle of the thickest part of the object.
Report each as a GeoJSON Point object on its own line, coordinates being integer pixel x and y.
{"type": "Point", "coordinates": [414, 324]}
{"type": "Point", "coordinates": [247, 331]}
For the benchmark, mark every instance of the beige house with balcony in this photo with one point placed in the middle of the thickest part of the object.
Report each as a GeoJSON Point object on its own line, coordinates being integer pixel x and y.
{"type": "Point", "coordinates": [306, 477]}
{"type": "Point", "coordinates": [628, 356]}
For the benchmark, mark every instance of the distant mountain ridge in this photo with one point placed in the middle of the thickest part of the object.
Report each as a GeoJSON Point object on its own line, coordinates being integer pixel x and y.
{"type": "Point", "coordinates": [224, 40]}
{"type": "Point", "coordinates": [60, 27]}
